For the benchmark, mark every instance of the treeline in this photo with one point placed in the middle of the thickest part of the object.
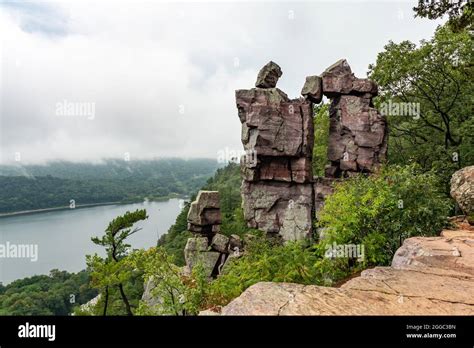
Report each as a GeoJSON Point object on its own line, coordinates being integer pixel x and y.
{"type": "Point", "coordinates": [54, 294]}
{"type": "Point", "coordinates": [56, 184]}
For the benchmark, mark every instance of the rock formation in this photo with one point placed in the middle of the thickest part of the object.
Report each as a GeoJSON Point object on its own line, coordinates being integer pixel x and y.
{"type": "Point", "coordinates": [279, 193]}
{"type": "Point", "coordinates": [276, 190]}
{"type": "Point", "coordinates": [462, 190]}
{"type": "Point", "coordinates": [268, 76]}
{"type": "Point", "coordinates": [204, 216]}
{"type": "Point", "coordinates": [428, 276]}
{"type": "Point", "coordinates": [357, 131]}
{"type": "Point", "coordinates": [208, 246]}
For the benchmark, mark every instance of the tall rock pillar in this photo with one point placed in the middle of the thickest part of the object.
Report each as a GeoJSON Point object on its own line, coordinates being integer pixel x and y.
{"type": "Point", "coordinates": [277, 134]}
{"type": "Point", "coordinates": [357, 131]}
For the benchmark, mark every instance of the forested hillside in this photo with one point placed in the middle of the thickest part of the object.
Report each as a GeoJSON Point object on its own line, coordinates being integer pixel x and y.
{"type": "Point", "coordinates": [53, 294]}
{"type": "Point", "coordinates": [56, 184]}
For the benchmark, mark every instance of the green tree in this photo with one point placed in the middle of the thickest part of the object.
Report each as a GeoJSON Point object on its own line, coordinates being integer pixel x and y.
{"type": "Point", "coordinates": [382, 210]}
{"type": "Point", "coordinates": [459, 11]}
{"type": "Point", "coordinates": [110, 271]}
{"type": "Point", "coordinates": [176, 293]}
{"type": "Point", "coordinates": [436, 80]}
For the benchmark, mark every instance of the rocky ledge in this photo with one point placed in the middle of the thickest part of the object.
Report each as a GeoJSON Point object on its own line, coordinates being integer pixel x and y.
{"type": "Point", "coordinates": [428, 276]}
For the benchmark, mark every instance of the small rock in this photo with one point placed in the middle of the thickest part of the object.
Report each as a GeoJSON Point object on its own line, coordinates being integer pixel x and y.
{"type": "Point", "coordinates": [193, 248]}
{"type": "Point", "coordinates": [220, 243]}
{"type": "Point", "coordinates": [204, 216]}
{"type": "Point", "coordinates": [341, 67]}
{"type": "Point", "coordinates": [268, 75]}
{"type": "Point", "coordinates": [313, 89]}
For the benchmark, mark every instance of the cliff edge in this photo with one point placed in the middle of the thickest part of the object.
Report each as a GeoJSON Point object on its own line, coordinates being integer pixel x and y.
{"type": "Point", "coordinates": [428, 276]}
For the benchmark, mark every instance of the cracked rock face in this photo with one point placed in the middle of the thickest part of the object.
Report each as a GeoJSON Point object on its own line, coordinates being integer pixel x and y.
{"type": "Point", "coordinates": [204, 214]}
{"type": "Point", "coordinates": [357, 131]}
{"type": "Point", "coordinates": [208, 247]}
{"type": "Point", "coordinates": [462, 190]}
{"type": "Point", "coordinates": [429, 276]}
{"type": "Point", "coordinates": [278, 131]}
{"type": "Point", "coordinates": [274, 125]}
{"type": "Point", "coordinates": [278, 208]}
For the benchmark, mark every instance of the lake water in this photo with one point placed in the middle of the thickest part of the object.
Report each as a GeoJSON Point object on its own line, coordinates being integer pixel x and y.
{"type": "Point", "coordinates": [64, 237]}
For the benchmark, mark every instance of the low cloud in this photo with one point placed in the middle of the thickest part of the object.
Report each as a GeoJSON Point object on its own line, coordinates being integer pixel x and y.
{"type": "Point", "coordinates": [162, 76]}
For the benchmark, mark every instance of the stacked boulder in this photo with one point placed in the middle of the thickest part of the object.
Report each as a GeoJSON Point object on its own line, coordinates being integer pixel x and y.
{"type": "Point", "coordinates": [208, 246]}
{"type": "Point", "coordinates": [357, 131]}
{"type": "Point", "coordinates": [277, 134]}
{"type": "Point", "coordinates": [279, 193]}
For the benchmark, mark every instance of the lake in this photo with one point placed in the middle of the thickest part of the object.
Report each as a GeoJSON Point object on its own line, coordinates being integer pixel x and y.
{"type": "Point", "coordinates": [63, 237]}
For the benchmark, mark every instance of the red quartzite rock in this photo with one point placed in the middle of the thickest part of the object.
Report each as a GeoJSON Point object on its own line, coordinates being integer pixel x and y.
{"type": "Point", "coordinates": [313, 89]}
{"type": "Point", "coordinates": [357, 131]}
{"type": "Point", "coordinates": [278, 192]}
{"type": "Point", "coordinates": [268, 75]}
{"type": "Point", "coordinates": [279, 208]}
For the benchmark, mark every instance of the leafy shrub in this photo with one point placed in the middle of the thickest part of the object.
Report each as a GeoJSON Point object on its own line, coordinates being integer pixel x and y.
{"type": "Point", "coordinates": [266, 260]}
{"type": "Point", "coordinates": [382, 210]}
{"type": "Point", "coordinates": [321, 138]}
{"type": "Point", "coordinates": [175, 292]}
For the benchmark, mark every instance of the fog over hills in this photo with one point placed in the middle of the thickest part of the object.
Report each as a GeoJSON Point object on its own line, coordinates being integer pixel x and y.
{"type": "Point", "coordinates": [82, 82]}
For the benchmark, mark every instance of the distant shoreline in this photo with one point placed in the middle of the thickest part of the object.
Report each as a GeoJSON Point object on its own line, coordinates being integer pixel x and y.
{"type": "Point", "coordinates": [34, 211]}
{"type": "Point", "coordinates": [79, 206]}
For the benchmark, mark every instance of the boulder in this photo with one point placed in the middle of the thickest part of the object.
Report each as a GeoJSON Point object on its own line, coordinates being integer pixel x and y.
{"type": "Point", "coordinates": [429, 276]}
{"type": "Point", "coordinates": [334, 85]}
{"type": "Point", "coordinates": [313, 89]}
{"type": "Point", "coordinates": [330, 171]}
{"type": "Point", "coordinates": [220, 243]}
{"type": "Point", "coordinates": [273, 125]}
{"type": "Point", "coordinates": [337, 79]}
{"type": "Point", "coordinates": [196, 250]}
{"type": "Point", "coordinates": [268, 75]}
{"type": "Point", "coordinates": [462, 190]}
{"type": "Point", "coordinates": [204, 216]}
{"type": "Point", "coordinates": [341, 67]}
{"type": "Point", "coordinates": [193, 247]}
{"type": "Point", "coordinates": [357, 131]}
{"type": "Point", "coordinates": [208, 259]}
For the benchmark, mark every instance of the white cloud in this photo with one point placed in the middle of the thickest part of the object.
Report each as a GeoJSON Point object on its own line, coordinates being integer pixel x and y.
{"type": "Point", "coordinates": [141, 62]}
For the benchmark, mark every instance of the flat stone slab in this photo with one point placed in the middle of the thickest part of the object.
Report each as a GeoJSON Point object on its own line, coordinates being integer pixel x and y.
{"type": "Point", "coordinates": [428, 276]}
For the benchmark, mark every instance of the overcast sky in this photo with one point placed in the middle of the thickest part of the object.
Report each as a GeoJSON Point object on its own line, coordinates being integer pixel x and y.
{"type": "Point", "coordinates": [159, 78]}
